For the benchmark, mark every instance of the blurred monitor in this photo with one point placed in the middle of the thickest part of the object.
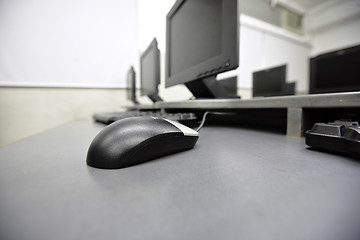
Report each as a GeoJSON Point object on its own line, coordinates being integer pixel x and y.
{"type": "Point", "coordinates": [202, 40]}
{"type": "Point", "coordinates": [336, 71]}
{"type": "Point", "coordinates": [272, 82]}
{"type": "Point", "coordinates": [131, 85]}
{"type": "Point", "coordinates": [150, 71]}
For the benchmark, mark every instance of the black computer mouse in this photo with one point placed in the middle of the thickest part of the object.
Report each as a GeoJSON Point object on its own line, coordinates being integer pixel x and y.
{"type": "Point", "coordinates": [137, 140]}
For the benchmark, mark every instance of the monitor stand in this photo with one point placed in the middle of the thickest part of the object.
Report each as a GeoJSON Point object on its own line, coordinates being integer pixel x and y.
{"type": "Point", "coordinates": [155, 98]}
{"type": "Point", "coordinates": [208, 87]}
{"type": "Point", "coordinates": [135, 101]}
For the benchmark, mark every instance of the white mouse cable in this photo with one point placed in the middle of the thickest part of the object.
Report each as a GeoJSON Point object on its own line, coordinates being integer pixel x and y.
{"type": "Point", "coordinates": [214, 113]}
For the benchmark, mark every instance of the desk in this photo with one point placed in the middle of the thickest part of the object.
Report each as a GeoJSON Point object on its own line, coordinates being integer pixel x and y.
{"type": "Point", "coordinates": [237, 183]}
{"type": "Point", "coordinates": [301, 111]}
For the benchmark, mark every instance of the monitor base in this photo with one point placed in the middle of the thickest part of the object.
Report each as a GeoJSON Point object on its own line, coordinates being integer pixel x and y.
{"type": "Point", "coordinates": [135, 101]}
{"type": "Point", "coordinates": [208, 87]}
{"type": "Point", "coordinates": [155, 98]}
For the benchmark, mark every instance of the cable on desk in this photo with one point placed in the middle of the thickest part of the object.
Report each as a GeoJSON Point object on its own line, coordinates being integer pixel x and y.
{"type": "Point", "coordinates": [214, 113]}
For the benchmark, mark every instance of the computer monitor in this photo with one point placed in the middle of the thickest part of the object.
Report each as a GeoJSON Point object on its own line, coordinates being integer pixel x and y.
{"type": "Point", "coordinates": [150, 71]}
{"type": "Point", "coordinates": [202, 40]}
{"type": "Point", "coordinates": [336, 71]}
{"type": "Point", "coordinates": [131, 85]}
{"type": "Point", "coordinates": [272, 82]}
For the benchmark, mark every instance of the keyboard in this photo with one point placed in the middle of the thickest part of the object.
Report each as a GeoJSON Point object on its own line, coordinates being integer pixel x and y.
{"type": "Point", "coordinates": [338, 136]}
{"type": "Point", "coordinates": [186, 118]}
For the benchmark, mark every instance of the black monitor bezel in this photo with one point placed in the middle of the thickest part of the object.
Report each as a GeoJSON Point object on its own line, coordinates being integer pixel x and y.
{"type": "Point", "coordinates": [313, 88]}
{"type": "Point", "coordinates": [227, 60]}
{"type": "Point", "coordinates": [282, 69]}
{"type": "Point", "coordinates": [153, 46]}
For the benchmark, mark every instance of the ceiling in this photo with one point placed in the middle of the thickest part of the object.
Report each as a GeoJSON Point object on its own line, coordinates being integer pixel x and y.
{"type": "Point", "coordinates": [308, 4]}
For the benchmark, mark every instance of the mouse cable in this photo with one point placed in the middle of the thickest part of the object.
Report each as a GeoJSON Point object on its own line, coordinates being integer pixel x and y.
{"type": "Point", "coordinates": [214, 113]}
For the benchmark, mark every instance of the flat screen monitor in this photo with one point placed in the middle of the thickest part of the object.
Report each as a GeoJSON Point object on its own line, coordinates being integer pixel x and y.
{"type": "Point", "coordinates": [131, 85]}
{"type": "Point", "coordinates": [202, 40]}
{"type": "Point", "coordinates": [272, 82]}
{"type": "Point", "coordinates": [150, 71]}
{"type": "Point", "coordinates": [336, 71]}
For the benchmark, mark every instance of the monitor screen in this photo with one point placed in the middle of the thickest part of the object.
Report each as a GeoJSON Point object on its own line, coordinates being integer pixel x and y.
{"type": "Point", "coordinates": [201, 40]}
{"type": "Point", "coordinates": [150, 71]}
{"type": "Point", "coordinates": [131, 85]}
{"type": "Point", "coordinates": [336, 71]}
{"type": "Point", "coordinates": [269, 82]}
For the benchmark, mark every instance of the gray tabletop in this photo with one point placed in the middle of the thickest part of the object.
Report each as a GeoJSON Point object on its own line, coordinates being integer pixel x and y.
{"type": "Point", "coordinates": [235, 184]}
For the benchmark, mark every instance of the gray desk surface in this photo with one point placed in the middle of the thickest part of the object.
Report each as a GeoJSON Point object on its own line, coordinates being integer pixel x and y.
{"type": "Point", "coordinates": [235, 184]}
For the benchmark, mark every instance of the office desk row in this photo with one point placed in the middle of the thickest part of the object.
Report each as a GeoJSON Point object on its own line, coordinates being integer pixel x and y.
{"type": "Point", "coordinates": [299, 112]}
{"type": "Point", "coordinates": [237, 183]}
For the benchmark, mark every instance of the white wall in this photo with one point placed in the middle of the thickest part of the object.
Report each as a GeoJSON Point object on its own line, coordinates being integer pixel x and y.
{"type": "Point", "coordinates": [334, 25]}
{"type": "Point", "coordinates": [263, 46]}
{"type": "Point", "coordinates": [28, 111]}
{"type": "Point", "coordinates": [67, 43]}
{"type": "Point", "coordinates": [152, 22]}
{"type": "Point", "coordinates": [62, 43]}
